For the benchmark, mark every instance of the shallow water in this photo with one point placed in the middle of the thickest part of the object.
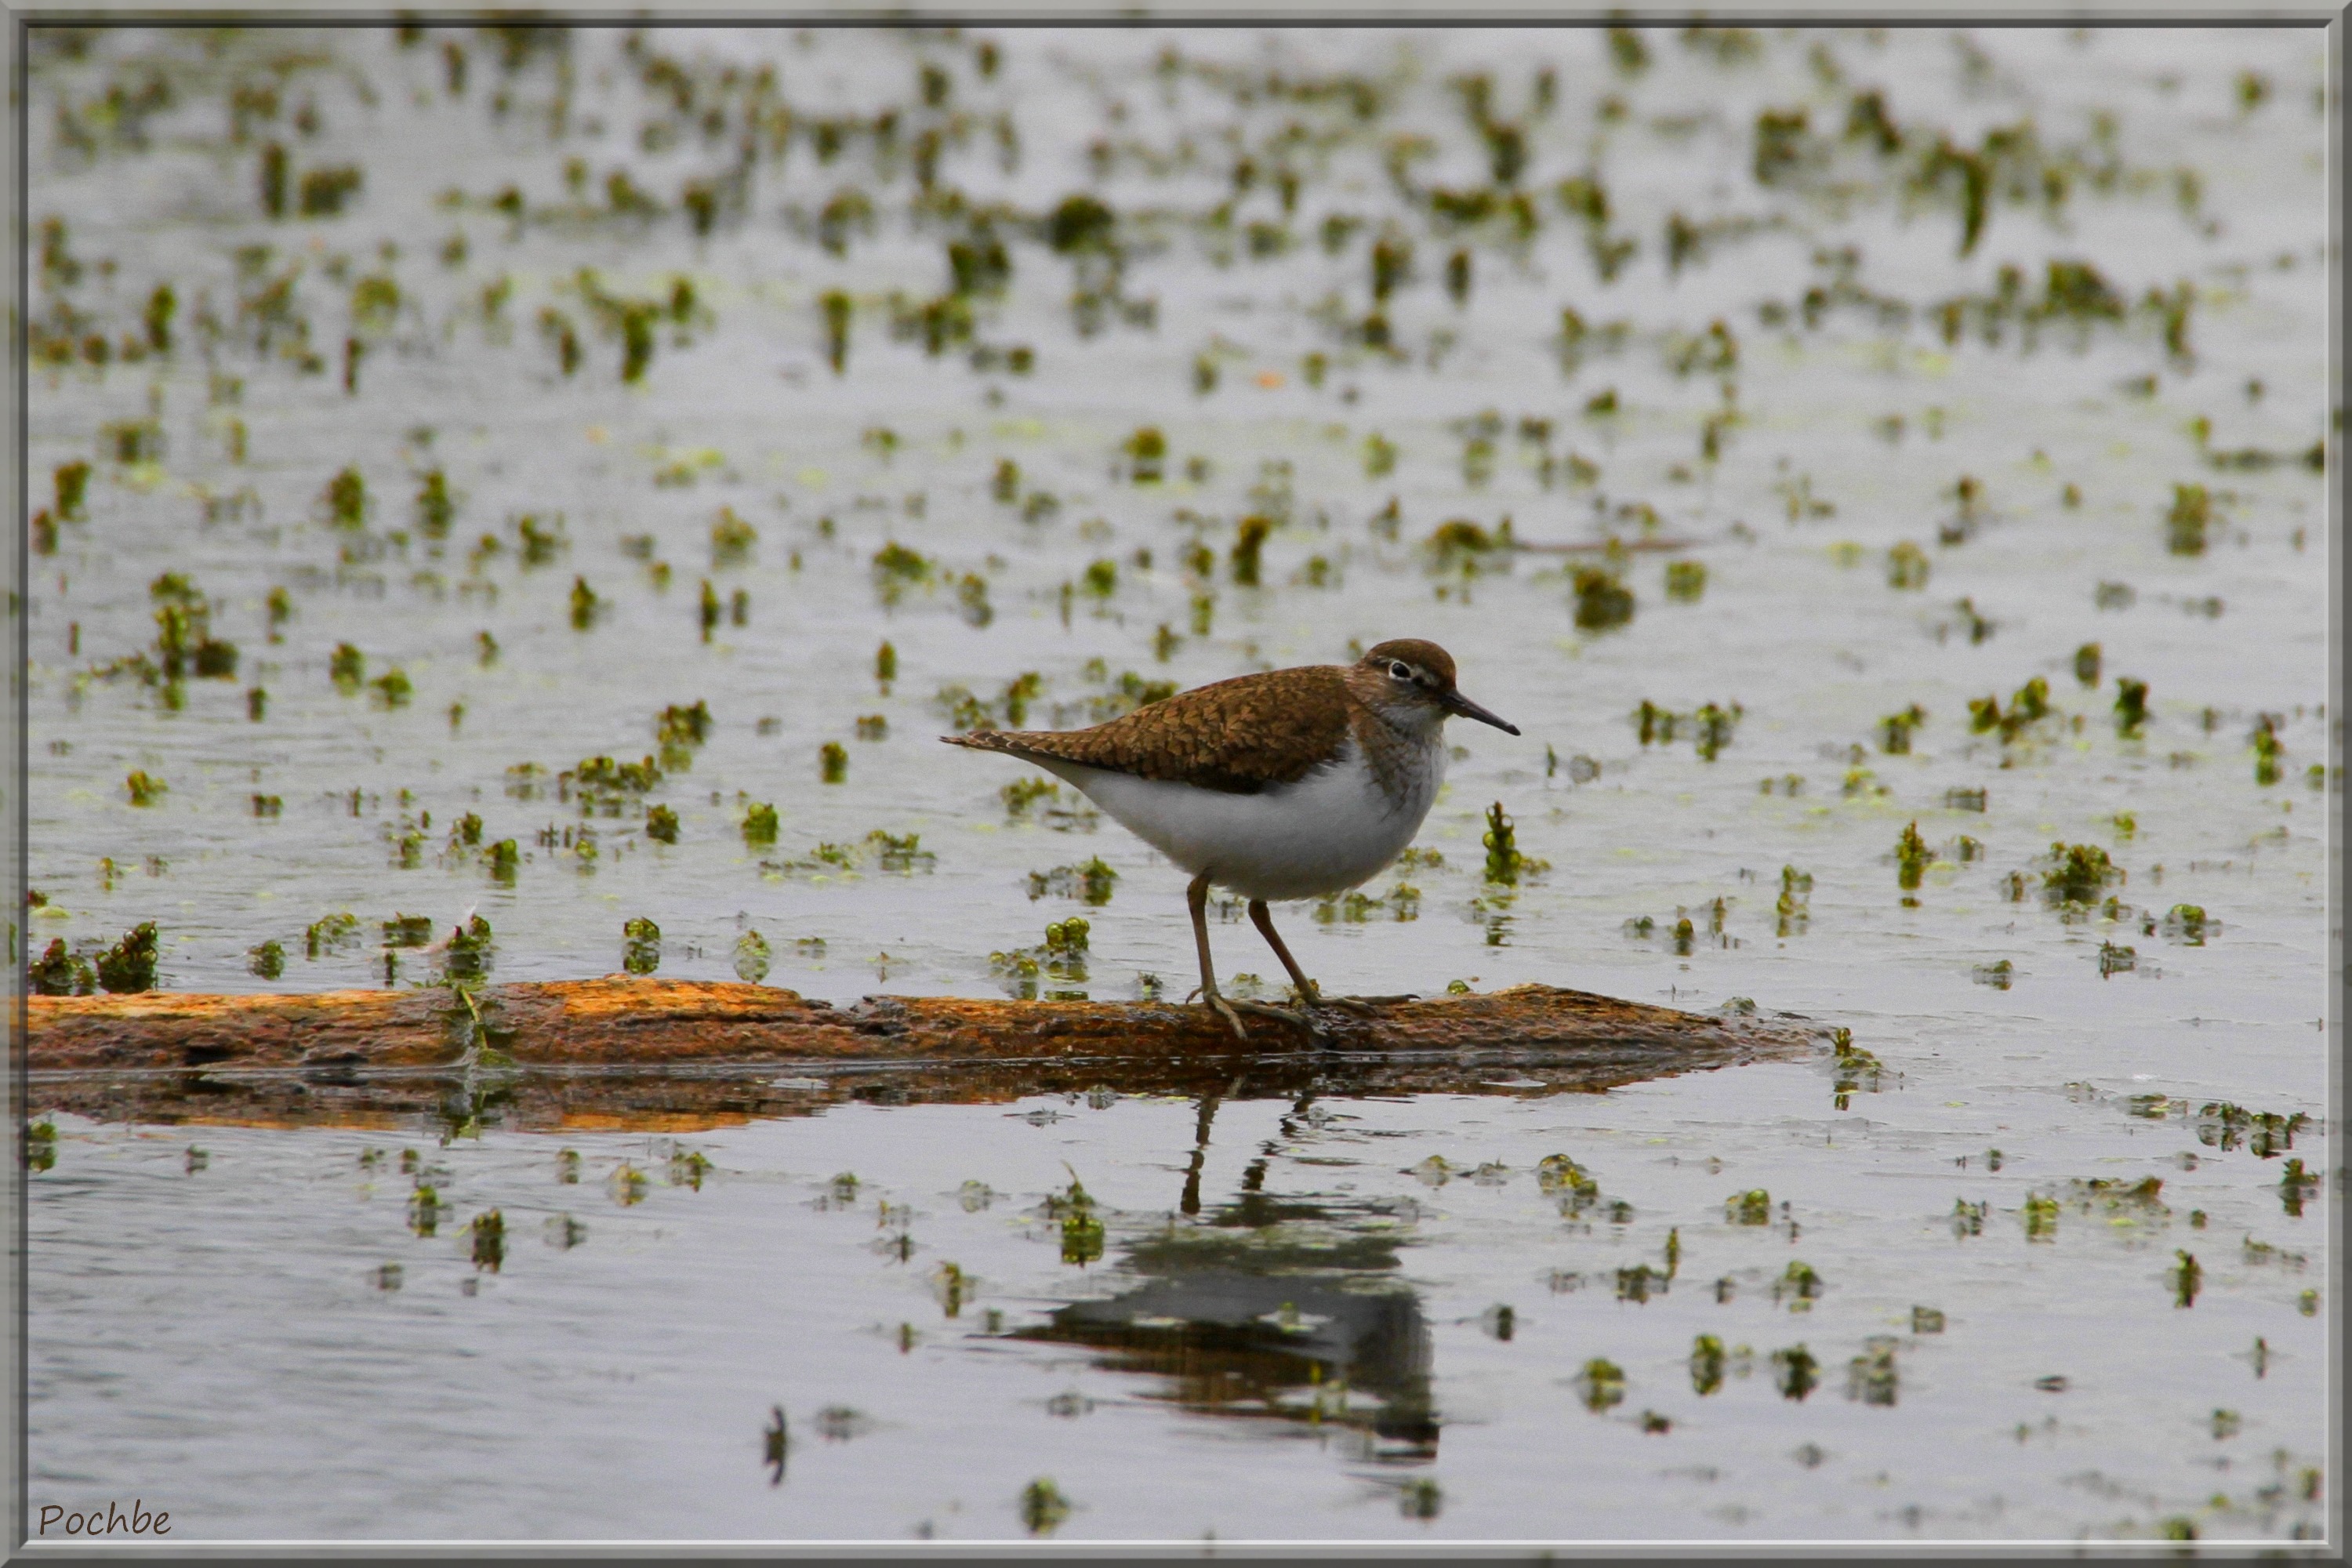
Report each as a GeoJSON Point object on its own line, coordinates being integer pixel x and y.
{"type": "Point", "coordinates": [620, 1386]}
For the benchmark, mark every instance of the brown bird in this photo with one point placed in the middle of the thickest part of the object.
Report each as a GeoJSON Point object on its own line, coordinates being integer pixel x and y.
{"type": "Point", "coordinates": [1291, 784]}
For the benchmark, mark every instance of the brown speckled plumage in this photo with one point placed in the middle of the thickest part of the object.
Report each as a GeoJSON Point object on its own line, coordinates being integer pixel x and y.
{"type": "Point", "coordinates": [1247, 734]}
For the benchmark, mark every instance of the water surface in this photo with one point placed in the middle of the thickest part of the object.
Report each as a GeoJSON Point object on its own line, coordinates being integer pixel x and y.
{"type": "Point", "coordinates": [1961, 1312]}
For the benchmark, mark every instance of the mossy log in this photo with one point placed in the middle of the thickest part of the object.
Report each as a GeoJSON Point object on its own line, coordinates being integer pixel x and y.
{"type": "Point", "coordinates": [671, 1054]}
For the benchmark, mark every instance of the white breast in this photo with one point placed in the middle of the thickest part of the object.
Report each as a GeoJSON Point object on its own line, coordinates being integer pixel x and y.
{"type": "Point", "coordinates": [1329, 831]}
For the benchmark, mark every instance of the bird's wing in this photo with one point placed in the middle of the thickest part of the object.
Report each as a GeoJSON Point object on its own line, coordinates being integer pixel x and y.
{"type": "Point", "coordinates": [1240, 736]}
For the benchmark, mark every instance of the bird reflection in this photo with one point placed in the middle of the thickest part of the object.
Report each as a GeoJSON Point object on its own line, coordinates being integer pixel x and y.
{"type": "Point", "coordinates": [1281, 1309]}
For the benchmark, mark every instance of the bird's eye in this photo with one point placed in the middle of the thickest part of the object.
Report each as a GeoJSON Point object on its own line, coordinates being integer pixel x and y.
{"type": "Point", "coordinates": [1399, 671]}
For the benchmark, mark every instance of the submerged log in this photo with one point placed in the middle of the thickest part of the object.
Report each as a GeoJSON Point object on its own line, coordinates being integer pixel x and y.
{"type": "Point", "coordinates": [655, 1054]}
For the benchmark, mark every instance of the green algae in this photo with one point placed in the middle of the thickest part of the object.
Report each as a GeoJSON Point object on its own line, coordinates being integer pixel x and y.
{"type": "Point", "coordinates": [1601, 1384]}
{"type": "Point", "coordinates": [1602, 600]}
{"type": "Point", "coordinates": [2189, 520]}
{"type": "Point", "coordinates": [1043, 1507]}
{"type": "Point", "coordinates": [640, 945]}
{"type": "Point", "coordinates": [2077, 874]}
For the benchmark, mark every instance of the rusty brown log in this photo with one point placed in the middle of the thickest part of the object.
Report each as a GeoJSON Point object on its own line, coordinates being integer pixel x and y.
{"type": "Point", "coordinates": [648, 1053]}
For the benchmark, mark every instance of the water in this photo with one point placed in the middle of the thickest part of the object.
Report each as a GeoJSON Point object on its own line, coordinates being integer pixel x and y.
{"type": "Point", "coordinates": [1284, 1282]}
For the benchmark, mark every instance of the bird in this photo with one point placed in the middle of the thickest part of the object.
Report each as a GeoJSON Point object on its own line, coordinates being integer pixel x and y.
{"type": "Point", "coordinates": [1287, 783]}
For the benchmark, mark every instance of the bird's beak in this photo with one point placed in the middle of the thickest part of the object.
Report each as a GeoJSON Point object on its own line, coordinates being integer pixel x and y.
{"type": "Point", "coordinates": [1455, 703]}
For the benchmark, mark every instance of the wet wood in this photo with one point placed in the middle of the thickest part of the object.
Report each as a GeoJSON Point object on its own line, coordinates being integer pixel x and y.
{"type": "Point", "coordinates": [645, 1052]}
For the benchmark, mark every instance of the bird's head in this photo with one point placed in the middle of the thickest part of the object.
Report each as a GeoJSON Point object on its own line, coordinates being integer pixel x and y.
{"type": "Point", "coordinates": [1412, 683]}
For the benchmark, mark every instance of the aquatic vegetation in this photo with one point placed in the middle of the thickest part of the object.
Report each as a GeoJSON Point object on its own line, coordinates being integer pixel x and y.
{"type": "Point", "coordinates": [1043, 1507]}
{"type": "Point", "coordinates": [679, 730]}
{"type": "Point", "coordinates": [2078, 874]}
{"type": "Point", "coordinates": [488, 1235]}
{"type": "Point", "coordinates": [72, 489]}
{"type": "Point", "coordinates": [1571, 1186]}
{"type": "Point", "coordinates": [1602, 600]}
{"type": "Point", "coordinates": [1420, 1498]}
{"type": "Point", "coordinates": [436, 509]}
{"type": "Point", "coordinates": [751, 957]}
{"type": "Point", "coordinates": [1852, 1068]}
{"type": "Point", "coordinates": [467, 953]}
{"type": "Point", "coordinates": [425, 1210]}
{"type": "Point", "coordinates": [407, 930]}
{"type": "Point", "coordinates": [58, 972]}
{"type": "Point", "coordinates": [1504, 861]}
{"type": "Point", "coordinates": [1249, 544]}
{"type": "Point", "coordinates": [687, 1167]}
{"type": "Point", "coordinates": [1710, 727]}
{"type": "Point", "coordinates": [641, 945]}
{"type": "Point", "coordinates": [1894, 730]}
{"type": "Point", "coordinates": [2187, 520]}
{"type": "Point", "coordinates": [1081, 1230]}
{"type": "Point", "coordinates": [1091, 881]}
{"type": "Point", "coordinates": [1795, 1372]}
{"type": "Point", "coordinates": [1685, 581]}
{"type": "Point", "coordinates": [2297, 1186]}
{"type": "Point", "coordinates": [1707, 1361]}
{"type": "Point", "coordinates": [732, 540]}
{"type": "Point", "coordinates": [897, 569]}
{"type": "Point", "coordinates": [1799, 1285]}
{"type": "Point", "coordinates": [1912, 857]}
{"type": "Point", "coordinates": [1871, 1377]}
{"type": "Point", "coordinates": [2131, 706]}
{"type": "Point", "coordinates": [2222, 1125]}
{"type": "Point", "coordinates": [1639, 1282]}
{"type": "Point", "coordinates": [759, 825]}
{"type": "Point", "coordinates": [832, 763]}
{"type": "Point", "coordinates": [2029, 704]}
{"type": "Point", "coordinates": [1601, 1385]}
{"type": "Point", "coordinates": [2188, 1278]}
{"type": "Point", "coordinates": [331, 934]}
{"type": "Point", "coordinates": [2267, 750]}
{"type": "Point", "coordinates": [346, 499]}
{"type": "Point", "coordinates": [1907, 567]}
{"type": "Point", "coordinates": [1793, 909]}
{"type": "Point", "coordinates": [184, 640]}
{"type": "Point", "coordinates": [2190, 925]}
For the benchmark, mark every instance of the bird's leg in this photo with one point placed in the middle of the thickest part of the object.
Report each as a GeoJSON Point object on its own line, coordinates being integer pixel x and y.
{"type": "Point", "coordinates": [1308, 994]}
{"type": "Point", "coordinates": [1263, 917]}
{"type": "Point", "coordinates": [1197, 897]}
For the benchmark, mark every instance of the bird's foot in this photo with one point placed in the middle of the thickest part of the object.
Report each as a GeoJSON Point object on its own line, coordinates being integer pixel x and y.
{"type": "Point", "coordinates": [1366, 1006]}
{"type": "Point", "coordinates": [1303, 1017]}
{"type": "Point", "coordinates": [1225, 1010]}
{"type": "Point", "coordinates": [1231, 1009]}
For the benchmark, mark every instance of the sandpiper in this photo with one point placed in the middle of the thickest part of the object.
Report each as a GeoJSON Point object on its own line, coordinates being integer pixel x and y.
{"type": "Point", "coordinates": [1290, 783]}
